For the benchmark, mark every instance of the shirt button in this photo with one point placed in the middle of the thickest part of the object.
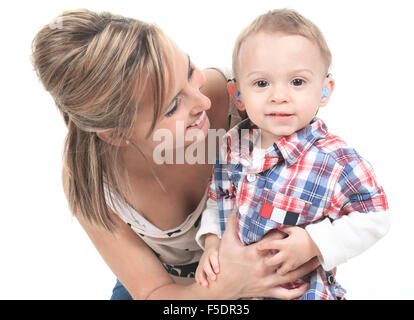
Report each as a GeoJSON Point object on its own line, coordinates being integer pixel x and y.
{"type": "Point", "coordinates": [243, 210]}
{"type": "Point", "coordinates": [251, 177]}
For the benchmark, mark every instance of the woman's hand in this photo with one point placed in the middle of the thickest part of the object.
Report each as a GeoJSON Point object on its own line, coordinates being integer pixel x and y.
{"type": "Point", "coordinates": [292, 251]}
{"type": "Point", "coordinates": [244, 273]}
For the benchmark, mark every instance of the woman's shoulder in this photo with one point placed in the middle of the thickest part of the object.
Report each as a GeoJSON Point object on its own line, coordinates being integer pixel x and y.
{"type": "Point", "coordinates": [215, 89]}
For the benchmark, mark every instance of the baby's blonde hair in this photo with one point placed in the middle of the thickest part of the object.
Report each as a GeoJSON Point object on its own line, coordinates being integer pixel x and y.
{"type": "Point", "coordinates": [285, 21]}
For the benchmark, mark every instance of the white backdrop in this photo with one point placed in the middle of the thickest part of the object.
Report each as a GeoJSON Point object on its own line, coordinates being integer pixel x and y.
{"type": "Point", "coordinates": [44, 254]}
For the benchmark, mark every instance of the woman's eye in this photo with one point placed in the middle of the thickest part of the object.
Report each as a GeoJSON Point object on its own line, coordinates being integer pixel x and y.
{"type": "Point", "coordinates": [173, 109]}
{"type": "Point", "coordinates": [298, 82]}
{"type": "Point", "coordinates": [261, 83]}
{"type": "Point", "coordinates": [178, 99]}
{"type": "Point", "coordinates": [190, 72]}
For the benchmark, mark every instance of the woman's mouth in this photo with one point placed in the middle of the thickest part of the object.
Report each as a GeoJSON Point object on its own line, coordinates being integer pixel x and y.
{"type": "Point", "coordinates": [199, 123]}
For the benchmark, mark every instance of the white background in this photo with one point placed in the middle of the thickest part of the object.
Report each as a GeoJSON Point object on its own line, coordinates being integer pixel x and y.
{"type": "Point", "coordinates": [44, 254]}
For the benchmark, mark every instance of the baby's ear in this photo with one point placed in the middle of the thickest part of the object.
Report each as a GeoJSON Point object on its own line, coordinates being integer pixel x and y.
{"type": "Point", "coordinates": [234, 92]}
{"type": "Point", "coordinates": [328, 88]}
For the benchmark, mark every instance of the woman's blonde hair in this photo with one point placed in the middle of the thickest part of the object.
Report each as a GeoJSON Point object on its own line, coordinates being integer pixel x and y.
{"type": "Point", "coordinates": [96, 67]}
{"type": "Point", "coordinates": [285, 21]}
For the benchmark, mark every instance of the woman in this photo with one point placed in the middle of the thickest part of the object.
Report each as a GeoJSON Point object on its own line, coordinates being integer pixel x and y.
{"type": "Point", "coordinates": [118, 82]}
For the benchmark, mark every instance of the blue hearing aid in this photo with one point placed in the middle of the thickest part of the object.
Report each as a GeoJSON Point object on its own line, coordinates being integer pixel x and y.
{"type": "Point", "coordinates": [325, 92]}
{"type": "Point", "coordinates": [238, 96]}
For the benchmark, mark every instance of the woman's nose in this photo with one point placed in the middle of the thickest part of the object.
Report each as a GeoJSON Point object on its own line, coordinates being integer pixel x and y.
{"type": "Point", "coordinates": [200, 102]}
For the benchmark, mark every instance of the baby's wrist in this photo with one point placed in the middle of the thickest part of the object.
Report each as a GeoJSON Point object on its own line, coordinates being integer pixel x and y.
{"type": "Point", "coordinates": [211, 241]}
{"type": "Point", "coordinates": [313, 247]}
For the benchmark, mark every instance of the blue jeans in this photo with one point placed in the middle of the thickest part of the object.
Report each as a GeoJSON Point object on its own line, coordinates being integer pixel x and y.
{"type": "Point", "coordinates": [119, 292]}
{"type": "Point", "coordinates": [187, 271]}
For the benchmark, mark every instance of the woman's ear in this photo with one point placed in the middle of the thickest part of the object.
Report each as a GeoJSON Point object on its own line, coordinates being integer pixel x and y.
{"type": "Point", "coordinates": [111, 136]}
{"type": "Point", "coordinates": [234, 92]}
{"type": "Point", "coordinates": [328, 87]}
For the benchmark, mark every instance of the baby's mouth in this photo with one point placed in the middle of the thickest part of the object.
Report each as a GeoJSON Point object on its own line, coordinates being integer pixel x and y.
{"type": "Point", "coordinates": [280, 116]}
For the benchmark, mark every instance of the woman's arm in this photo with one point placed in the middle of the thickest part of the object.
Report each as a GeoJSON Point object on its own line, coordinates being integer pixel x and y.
{"type": "Point", "coordinates": [129, 258]}
{"type": "Point", "coordinates": [242, 271]}
{"type": "Point", "coordinates": [140, 271]}
{"type": "Point", "coordinates": [136, 266]}
{"type": "Point", "coordinates": [242, 274]}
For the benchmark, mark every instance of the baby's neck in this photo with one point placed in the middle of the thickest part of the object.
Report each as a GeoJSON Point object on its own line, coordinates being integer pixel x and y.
{"type": "Point", "coordinates": [268, 140]}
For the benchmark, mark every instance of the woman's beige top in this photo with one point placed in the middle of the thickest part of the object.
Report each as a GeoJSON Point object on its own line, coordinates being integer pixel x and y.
{"type": "Point", "coordinates": [175, 248]}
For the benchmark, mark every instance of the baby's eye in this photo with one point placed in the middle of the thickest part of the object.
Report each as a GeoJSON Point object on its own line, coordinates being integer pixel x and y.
{"type": "Point", "coordinates": [298, 82]}
{"type": "Point", "coordinates": [261, 83]}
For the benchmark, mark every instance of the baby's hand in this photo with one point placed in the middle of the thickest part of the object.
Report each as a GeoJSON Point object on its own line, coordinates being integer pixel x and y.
{"type": "Point", "coordinates": [292, 252]}
{"type": "Point", "coordinates": [208, 267]}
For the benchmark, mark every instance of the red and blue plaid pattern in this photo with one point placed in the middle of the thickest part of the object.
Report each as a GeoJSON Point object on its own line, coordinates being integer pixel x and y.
{"type": "Point", "coordinates": [301, 179]}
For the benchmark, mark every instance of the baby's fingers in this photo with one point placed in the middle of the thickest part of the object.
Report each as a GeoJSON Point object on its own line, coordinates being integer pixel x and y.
{"type": "Point", "coordinates": [214, 261]}
{"type": "Point", "coordinates": [201, 278]}
{"type": "Point", "coordinates": [209, 271]}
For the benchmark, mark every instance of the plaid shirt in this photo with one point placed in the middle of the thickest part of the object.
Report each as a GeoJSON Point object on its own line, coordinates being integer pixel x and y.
{"type": "Point", "coordinates": [301, 179]}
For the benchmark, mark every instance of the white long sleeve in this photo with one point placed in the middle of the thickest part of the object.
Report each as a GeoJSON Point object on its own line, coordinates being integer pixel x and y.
{"type": "Point", "coordinates": [348, 236]}
{"type": "Point", "coordinates": [210, 222]}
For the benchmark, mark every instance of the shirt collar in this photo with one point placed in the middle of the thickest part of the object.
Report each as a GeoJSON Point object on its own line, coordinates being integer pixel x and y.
{"type": "Point", "coordinates": [294, 146]}
{"type": "Point", "coordinates": [239, 143]}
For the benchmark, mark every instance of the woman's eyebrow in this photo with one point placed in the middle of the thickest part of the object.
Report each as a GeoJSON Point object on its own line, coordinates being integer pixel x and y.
{"type": "Point", "coordinates": [188, 76]}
